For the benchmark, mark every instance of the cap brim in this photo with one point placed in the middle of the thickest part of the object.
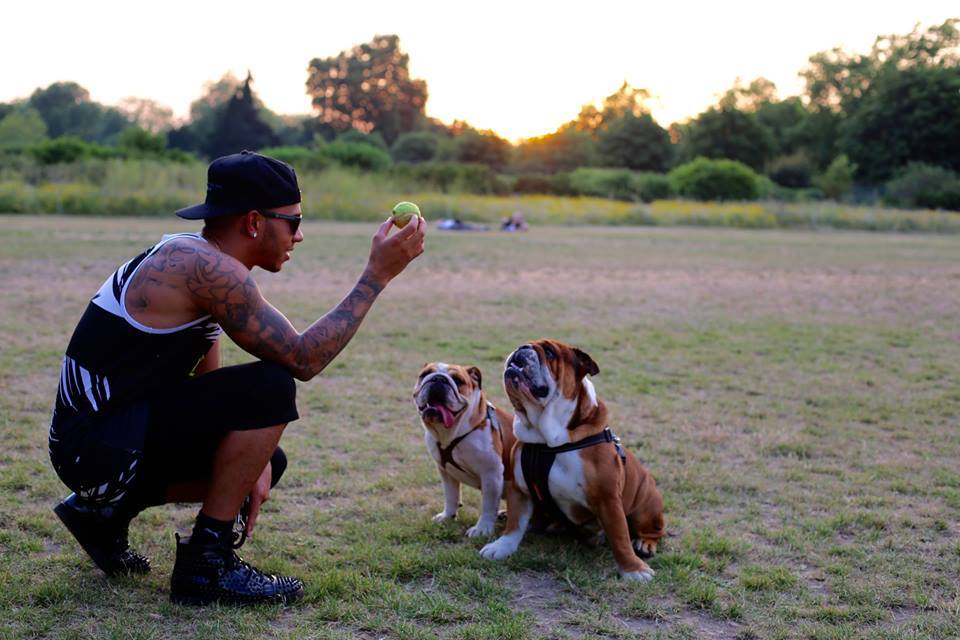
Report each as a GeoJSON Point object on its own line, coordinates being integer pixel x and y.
{"type": "Point", "coordinates": [202, 211]}
{"type": "Point", "coordinates": [195, 212]}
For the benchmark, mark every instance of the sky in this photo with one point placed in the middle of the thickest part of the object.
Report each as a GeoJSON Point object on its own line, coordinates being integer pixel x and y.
{"type": "Point", "coordinates": [521, 68]}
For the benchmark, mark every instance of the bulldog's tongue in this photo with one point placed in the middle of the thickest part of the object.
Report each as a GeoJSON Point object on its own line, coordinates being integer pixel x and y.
{"type": "Point", "coordinates": [446, 413]}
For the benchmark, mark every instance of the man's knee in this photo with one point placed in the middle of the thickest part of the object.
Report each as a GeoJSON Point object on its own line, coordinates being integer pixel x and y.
{"type": "Point", "coordinates": [273, 392]}
{"type": "Point", "coordinates": [277, 382]}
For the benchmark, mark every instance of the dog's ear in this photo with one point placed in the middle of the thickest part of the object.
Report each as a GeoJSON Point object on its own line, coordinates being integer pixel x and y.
{"type": "Point", "coordinates": [585, 364]}
{"type": "Point", "coordinates": [475, 374]}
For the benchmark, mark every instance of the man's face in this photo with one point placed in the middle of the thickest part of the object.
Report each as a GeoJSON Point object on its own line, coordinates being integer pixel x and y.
{"type": "Point", "coordinates": [278, 238]}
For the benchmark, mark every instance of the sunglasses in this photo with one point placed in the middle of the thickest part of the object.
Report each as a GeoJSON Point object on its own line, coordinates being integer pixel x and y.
{"type": "Point", "coordinates": [293, 219]}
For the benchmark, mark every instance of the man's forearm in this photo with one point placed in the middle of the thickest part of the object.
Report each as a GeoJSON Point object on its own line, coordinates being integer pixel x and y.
{"type": "Point", "coordinates": [327, 337]}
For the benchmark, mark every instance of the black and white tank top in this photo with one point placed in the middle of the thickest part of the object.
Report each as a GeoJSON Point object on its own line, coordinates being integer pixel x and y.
{"type": "Point", "coordinates": [112, 358]}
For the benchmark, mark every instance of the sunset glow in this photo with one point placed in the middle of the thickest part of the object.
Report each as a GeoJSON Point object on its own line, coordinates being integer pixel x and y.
{"type": "Point", "coordinates": [518, 68]}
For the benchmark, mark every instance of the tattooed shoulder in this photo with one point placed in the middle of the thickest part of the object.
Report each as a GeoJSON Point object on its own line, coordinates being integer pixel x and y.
{"type": "Point", "coordinates": [221, 284]}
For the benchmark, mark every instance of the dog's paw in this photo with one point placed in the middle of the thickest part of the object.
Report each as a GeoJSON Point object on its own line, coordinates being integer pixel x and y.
{"type": "Point", "coordinates": [443, 516]}
{"type": "Point", "coordinates": [481, 529]}
{"type": "Point", "coordinates": [498, 549]}
{"type": "Point", "coordinates": [644, 548]}
{"type": "Point", "coordinates": [644, 575]}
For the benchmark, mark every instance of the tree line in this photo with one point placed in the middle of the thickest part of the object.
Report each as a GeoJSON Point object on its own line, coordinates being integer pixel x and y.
{"type": "Point", "coordinates": [885, 120]}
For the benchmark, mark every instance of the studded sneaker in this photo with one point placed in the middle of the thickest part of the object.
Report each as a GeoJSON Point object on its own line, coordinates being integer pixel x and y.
{"type": "Point", "coordinates": [103, 536]}
{"type": "Point", "coordinates": [207, 573]}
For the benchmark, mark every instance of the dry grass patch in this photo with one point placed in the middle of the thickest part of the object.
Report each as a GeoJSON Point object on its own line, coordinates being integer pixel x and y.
{"type": "Point", "coordinates": [795, 394]}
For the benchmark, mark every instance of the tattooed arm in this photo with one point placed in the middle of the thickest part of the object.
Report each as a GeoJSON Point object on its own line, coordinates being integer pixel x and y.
{"type": "Point", "coordinates": [224, 288]}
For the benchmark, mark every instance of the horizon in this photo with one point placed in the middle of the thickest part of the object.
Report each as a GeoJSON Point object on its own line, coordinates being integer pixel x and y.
{"type": "Point", "coordinates": [495, 80]}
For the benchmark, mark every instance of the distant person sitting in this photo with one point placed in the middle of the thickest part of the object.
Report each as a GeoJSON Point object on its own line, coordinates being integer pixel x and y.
{"type": "Point", "coordinates": [456, 224]}
{"type": "Point", "coordinates": [514, 223]}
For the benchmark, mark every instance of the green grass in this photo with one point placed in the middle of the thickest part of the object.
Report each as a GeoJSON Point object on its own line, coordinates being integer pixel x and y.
{"type": "Point", "coordinates": [795, 394]}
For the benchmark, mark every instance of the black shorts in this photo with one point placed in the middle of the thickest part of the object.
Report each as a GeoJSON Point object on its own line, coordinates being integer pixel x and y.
{"type": "Point", "coordinates": [130, 454]}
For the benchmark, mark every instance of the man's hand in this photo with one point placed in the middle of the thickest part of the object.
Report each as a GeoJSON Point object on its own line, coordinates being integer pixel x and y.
{"type": "Point", "coordinates": [389, 255]}
{"type": "Point", "coordinates": [259, 495]}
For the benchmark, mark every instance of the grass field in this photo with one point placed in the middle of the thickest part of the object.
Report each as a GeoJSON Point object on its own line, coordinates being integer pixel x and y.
{"type": "Point", "coordinates": [795, 394]}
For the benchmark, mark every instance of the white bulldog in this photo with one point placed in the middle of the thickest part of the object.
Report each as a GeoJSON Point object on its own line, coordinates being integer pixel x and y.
{"type": "Point", "coordinates": [468, 438]}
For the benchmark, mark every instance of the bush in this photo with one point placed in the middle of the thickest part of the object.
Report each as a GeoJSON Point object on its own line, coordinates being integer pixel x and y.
{"type": "Point", "coordinates": [358, 155]}
{"type": "Point", "coordinates": [620, 184]}
{"type": "Point", "coordinates": [68, 149]}
{"type": "Point", "coordinates": [453, 176]}
{"type": "Point", "coordinates": [533, 183]}
{"type": "Point", "coordinates": [794, 171]}
{"type": "Point", "coordinates": [136, 142]}
{"type": "Point", "coordinates": [481, 179]}
{"type": "Point", "coordinates": [924, 186]}
{"type": "Point", "coordinates": [562, 185]}
{"type": "Point", "coordinates": [767, 189]}
{"type": "Point", "coordinates": [706, 179]}
{"type": "Point", "coordinates": [300, 158]}
{"type": "Point", "coordinates": [654, 186]}
{"type": "Point", "coordinates": [373, 139]}
{"type": "Point", "coordinates": [615, 184]}
{"type": "Point", "coordinates": [837, 181]}
{"type": "Point", "coordinates": [415, 147]}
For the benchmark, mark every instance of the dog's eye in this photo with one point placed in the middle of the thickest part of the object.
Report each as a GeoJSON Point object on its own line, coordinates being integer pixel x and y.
{"type": "Point", "coordinates": [547, 349]}
{"type": "Point", "coordinates": [458, 380]}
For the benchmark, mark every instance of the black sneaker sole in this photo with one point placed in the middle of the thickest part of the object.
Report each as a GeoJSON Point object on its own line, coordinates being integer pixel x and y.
{"type": "Point", "coordinates": [104, 561]}
{"type": "Point", "coordinates": [251, 601]}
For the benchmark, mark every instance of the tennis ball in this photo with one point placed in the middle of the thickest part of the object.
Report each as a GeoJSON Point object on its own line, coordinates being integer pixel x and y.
{"type": "Point", "coordinates": [403, 211]}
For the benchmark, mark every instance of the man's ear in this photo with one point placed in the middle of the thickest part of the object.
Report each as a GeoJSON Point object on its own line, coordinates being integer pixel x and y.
{"type": "Point", "coordinates": [251, 223]}
{"type": "Point", "coordinates": [585, 364]}
{"type": "Point", "coordinates": [475, 374]}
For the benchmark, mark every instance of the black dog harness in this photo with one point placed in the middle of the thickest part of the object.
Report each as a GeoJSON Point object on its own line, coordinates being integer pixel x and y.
{"type": "Point", "coordinates": [446, 453]}
{"type": "Point", "coordinates": [536, 460]}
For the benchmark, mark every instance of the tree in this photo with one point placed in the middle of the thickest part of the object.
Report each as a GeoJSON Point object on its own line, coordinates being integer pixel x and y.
{"type": "Point", "coordinates": [414, 147]}
{"type": "Point", "coordinates": [750, 98]}
{"type": "Point", "coordinates": [67, 110]}
{"type": "Point", "coordinates": [635, 142]}
{"type": "Point", "coordinates": [839, 83]}
{"type": "Point", "coordinates": [239, 125]}
{"type": "Point", "coordinates": [482, 147]}
{"type": "Point", "coordinates": [837, 181]}
{"type": "Point", "coordinates": [147, 114]}
{"type": "Point", "coordinates": [368, 88]}
{"type": "Point", "coordinates": [374, 139]}
{"type": "Point", "coordinates": [728, 133]}
{"type": "Point", "coordinates": [626, 100]}
{"type": "Point", "coordinates": [911, 115]}
{"type": "Point", "coordinates": [787, 122]}
{"type": "Point", "coordinates": [135, 141]}
{"type": "Point", "coordinates": [22, 128]}
{"type": "Point", "coordinates": [836, 80]}
{"type": "Point", "coordinates": [563, 150]}
{"type": "Point", "coordinates": [207, 112]}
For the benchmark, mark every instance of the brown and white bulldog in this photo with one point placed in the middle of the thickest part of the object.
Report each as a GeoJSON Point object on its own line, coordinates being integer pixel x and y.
{"type": "Point", "coordinates": [468, 438]}
{"type": "Point", "coordinates": [598, 486]}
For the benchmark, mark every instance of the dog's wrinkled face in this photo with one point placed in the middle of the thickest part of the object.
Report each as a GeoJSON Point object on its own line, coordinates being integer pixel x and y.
{"type": "Point", "coordinates": [444, 392]}
{"type": "Point", "coordinates": [537, 372]}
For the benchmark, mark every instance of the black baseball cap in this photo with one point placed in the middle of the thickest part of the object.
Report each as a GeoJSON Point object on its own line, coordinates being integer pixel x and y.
{"type": "Point", "coordinates": [243, 181]}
